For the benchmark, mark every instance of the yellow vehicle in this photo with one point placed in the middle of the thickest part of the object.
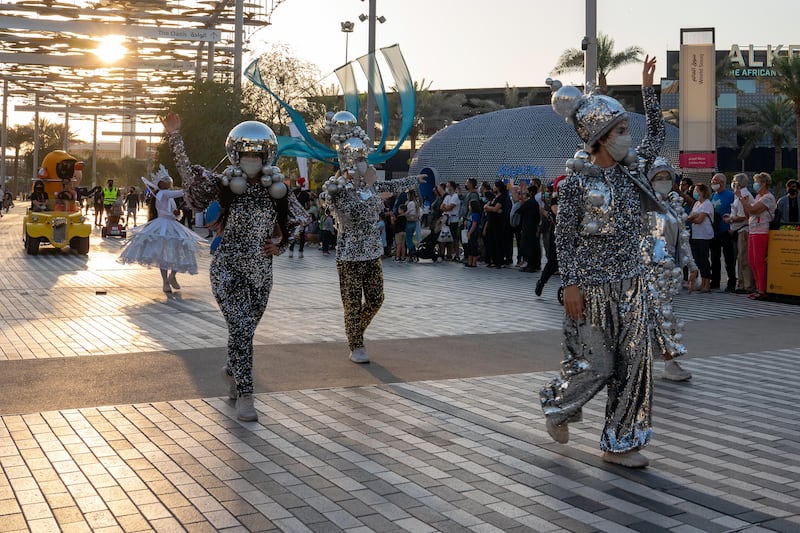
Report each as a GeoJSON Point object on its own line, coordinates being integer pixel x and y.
{"type": "Point", "coordinates": [54, 216]}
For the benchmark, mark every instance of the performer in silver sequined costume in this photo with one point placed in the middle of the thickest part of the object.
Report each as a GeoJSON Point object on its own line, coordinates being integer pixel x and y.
{"type": "Point", "coordinates": [666, 251]}
{"type": "Point", "coordinates": [353, 193]}
{"type": "Point", "coordinates": [599, 231]}
{"type": "Point", "coordinates": [258, 216]}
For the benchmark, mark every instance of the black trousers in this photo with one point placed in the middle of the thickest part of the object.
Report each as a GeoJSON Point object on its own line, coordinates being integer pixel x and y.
{"type": "Point", "coordinates": [723, 246]}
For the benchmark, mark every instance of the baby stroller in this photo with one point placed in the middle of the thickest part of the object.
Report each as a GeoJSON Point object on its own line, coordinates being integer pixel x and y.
{"type": "Point", "coordinates": [427, 248]}
{"type": "Point", "coordinates": [113, 227]}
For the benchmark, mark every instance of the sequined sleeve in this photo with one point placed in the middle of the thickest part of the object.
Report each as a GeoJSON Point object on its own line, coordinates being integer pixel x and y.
{"type": "Point", "coordinates": [395, 186]}
{"type": "Point", "coordinates": [570, 213]}
{"type": "Point", "coordinates": [683, 249]}
{"type": "Point", "coordinates": [298, 216]}
{"type": "Point", "coordinates": [200, 184]}
{"type": "Point", "coordinates": [654, 124]}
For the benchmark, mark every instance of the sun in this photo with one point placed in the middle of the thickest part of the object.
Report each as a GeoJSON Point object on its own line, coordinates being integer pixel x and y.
{"type": "Point", "coordinates": [111, 49]}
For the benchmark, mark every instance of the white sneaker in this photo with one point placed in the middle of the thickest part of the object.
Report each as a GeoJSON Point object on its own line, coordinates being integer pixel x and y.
{"type": "Point", "coordinates": [674, 372]}
{"type": "Point", "coordinates": [300, 255]}
{"type": "Point", "coordinates": [245, 408]}
{"type": "Point", "coordinates": [359, 355]}
{"type": "Point", "coordinates": [291, 253]}
{"type": "Point", "coordinates": [630, 459]}
{"type": "Point", "coordinates": [229, 382]}
{"type": "Point", "coordinates": [558, 432]}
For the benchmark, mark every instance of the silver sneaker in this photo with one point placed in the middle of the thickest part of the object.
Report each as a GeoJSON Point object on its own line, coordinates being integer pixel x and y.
{"type": "Point", "coordinates": [230, 382]}
{"type": "Point", "coordinates": [245, 408]}
{"type": "Point", "coordinates": [359, 355]}
{"type": "Point", "coordinates": [557, 432]}
{"type": "Point", "coordinates": [674, 372]}
{"type": "Point", "coordinates": [629, 459]}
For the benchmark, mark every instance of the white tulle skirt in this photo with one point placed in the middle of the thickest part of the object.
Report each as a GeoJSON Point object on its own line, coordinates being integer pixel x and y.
{"type": "Point", "coordinates": [163, 243]}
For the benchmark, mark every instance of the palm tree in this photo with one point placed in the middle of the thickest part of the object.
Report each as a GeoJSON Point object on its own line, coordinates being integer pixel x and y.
{"type": "Point", "coordinates": [19, 137]}
{"type": "Point", "coordinates": [787, 83]}
{"type": "Point", "coordinates": [434, 110]}
{"type": "Point", "coordinates": [607, 60]}
{"type": "Point", "coordinates": [774, 120]}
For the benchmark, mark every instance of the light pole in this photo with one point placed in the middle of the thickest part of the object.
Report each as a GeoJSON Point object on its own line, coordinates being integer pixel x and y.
{"type": "Point", "coordinates": [371, 74]}
{"type": "Point", "coordinates": [347, 29]}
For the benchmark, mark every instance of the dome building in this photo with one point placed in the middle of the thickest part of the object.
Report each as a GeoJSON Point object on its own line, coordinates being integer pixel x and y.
{"type": "Point", "coordinates": [521, 143]}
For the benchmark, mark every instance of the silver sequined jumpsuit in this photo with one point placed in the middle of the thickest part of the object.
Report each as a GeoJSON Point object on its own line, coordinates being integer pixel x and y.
{"type": "Point", "coordinates": [599, 249]}
{"type": "Point", "coordinates": [241, 274]}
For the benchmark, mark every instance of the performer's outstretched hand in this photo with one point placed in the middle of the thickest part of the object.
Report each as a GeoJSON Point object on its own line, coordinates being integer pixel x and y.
{"type": "Point", "coordinates": [648, 71]}
{"type": "Point", "coordinates": [172, 122]}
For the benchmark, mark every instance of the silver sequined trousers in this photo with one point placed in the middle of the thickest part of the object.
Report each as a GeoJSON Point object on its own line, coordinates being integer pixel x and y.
{"type": "Point", "coordinates": [609, 348]}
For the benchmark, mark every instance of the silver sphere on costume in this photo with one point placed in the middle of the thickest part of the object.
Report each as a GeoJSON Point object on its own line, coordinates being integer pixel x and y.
{"type": "Point", "coordinates": [332, 188]}
{"type": "Point", "coordinates": [278, 190]}
{"type": "Point", "coordinates": [238, 185]}
{"type": "Point", "coordinates": [592, 227]}
{"type": "Point", "coordinates": [565, 101]}
{"type": "Point", "coordinates": [351, 151]}
{"type": "Point", "coordinates": [343, 123]}
{"type": "Point", "coordinates": [266, 181]}
{"type": "Point", "coordinates": [251, 137]}
{"type": "Point", "coordinates": [596, 197]}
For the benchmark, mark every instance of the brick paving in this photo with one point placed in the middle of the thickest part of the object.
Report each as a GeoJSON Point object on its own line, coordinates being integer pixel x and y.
{"type": "Point", "coordinates": [447, 455]}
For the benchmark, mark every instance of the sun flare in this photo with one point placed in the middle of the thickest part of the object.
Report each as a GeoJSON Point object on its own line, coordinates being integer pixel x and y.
{"type": "Point", "coordinates": [111, 48]}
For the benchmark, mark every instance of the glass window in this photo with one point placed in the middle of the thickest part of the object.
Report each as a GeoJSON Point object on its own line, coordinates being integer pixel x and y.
{"type": "Point", "coordinates": [727, 101]}
{"type": "Point", "coordinates": [746, 86]}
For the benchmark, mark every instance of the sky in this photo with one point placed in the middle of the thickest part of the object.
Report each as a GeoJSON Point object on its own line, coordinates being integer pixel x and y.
{"type": "Point", "coordinates": [459, 44]}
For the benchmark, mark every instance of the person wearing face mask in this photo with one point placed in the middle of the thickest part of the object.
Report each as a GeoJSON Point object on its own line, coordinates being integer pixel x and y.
{"type": "Point", "coordinates": [787, 212]}
{"type": "Point", "coordinates": [760, 213]}
{"type": "Point", "coordinates": [702, 233]}
{"type": "Point", "coordinates": [745, 283]}
{"type": "Point", "coordinates": [451, 206]}
{"type": "Point", "coordinates": [722, 245]}
{"type": "Point", "coordinates": [598, 239]}
{"type": "Point", "coordinates": [354, 196]}
{"type": "Point", "coordinates": [666, 250]}
{"type": "Point", "coordinates": [257, 216]}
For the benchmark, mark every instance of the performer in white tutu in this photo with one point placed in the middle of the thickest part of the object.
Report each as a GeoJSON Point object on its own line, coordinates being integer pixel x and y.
{"type": "Point", "coordinates": [163, 242]}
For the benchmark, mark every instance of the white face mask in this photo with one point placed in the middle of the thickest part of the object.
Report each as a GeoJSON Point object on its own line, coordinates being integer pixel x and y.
{"type": "Point", "coordinates": [715, 187]}
{"type": "Point", "coordinates": [251, 166]}
{"type": "Point", "coordinates": [361, 166]}
{"type": "Point", "coordinates": [662, 187]}
{"type": "Point", "coordinates": [618, 147]}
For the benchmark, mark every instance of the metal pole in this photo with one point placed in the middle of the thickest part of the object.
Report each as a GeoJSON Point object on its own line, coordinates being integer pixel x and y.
{"type": "Point", "coordinates": [94, 153]}
{"type": "Point", "coordinates": [591, 42]}
{"type": "Point", "coordinates": [346, 45]}
{"type": "Point", "coordinates": [371, 75]}
{"type": "Point", "coordinates": [35, 163]}
{"type": "Point", "coordinates": [238, 46]}
{"type": "Point", "coordinates": [210, 62]}
{"type": "Point", "coordinates": [65, 141]}
{"type": "Point", "coordinates": [4, 138]}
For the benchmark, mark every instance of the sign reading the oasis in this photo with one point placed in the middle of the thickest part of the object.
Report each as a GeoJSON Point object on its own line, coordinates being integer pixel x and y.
{"type": "Point", "coordinates": [749, 62]}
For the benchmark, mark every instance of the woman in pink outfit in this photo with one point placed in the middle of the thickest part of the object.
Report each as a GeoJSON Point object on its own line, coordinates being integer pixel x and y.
{"type": "Point", "coordinates": [760, 214]}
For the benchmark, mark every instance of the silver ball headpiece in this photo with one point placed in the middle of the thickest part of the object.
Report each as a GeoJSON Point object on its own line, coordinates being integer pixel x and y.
{"type": "Point", "coordinates": [592, 115]}
{"type": "Point", "coordinates": [252, 137]}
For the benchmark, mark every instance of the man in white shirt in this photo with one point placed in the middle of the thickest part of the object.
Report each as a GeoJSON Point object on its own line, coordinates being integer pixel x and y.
{"type": "Point", "coordinates": [745, 283]}
{"type": "Point", "coordinates": [451, 206]}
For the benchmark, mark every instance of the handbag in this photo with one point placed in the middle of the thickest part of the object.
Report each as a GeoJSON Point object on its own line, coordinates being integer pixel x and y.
{"type": "Point", "coordinates": [445, 235]}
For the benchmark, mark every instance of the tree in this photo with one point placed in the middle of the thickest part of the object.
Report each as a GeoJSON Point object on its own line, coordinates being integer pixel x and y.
{"type": "Point", "coordinates": [787, 83]}
{"type": "Point", "coordinates": [294, 81]}
{"type": "Point", "coordinates": [434, 110]}
{"type": "Point", "coordinates": [18, 137]}
{"type": "Point", "coordinates": [773, 120]}
{"type": "Point", "coordinates": [608, 60]}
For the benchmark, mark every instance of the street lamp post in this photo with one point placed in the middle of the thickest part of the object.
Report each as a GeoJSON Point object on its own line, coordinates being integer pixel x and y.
{"type": "Point", "coordinates": [347, 29]}
{"type": "Point", "coordinates": [371, 74]}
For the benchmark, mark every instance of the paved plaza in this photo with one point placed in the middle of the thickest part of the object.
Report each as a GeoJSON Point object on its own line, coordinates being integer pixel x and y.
{"type": "Point", "coordinates": [112, 415]}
